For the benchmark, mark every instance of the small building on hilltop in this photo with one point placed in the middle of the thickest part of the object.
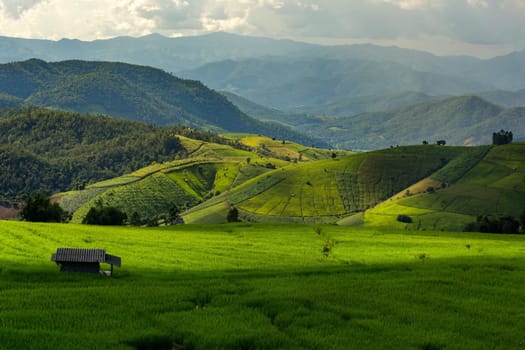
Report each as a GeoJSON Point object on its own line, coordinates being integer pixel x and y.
{"type": "Point", "coordinates": [86, 260]}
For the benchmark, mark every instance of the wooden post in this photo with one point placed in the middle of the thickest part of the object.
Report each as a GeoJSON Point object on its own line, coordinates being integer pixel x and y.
{"type": "Point", "coordinates": [111, 271]}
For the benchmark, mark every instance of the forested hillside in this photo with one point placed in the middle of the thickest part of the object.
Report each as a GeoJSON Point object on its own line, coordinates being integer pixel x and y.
{"type": "Point", "coordinates": [133, 92]}
{"type": "Point", "coordinates": [55, 151]}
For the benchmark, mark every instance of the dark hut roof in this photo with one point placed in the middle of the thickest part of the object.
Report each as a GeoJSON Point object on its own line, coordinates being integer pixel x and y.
{"type": "Point", "coordinates": [87, 255]}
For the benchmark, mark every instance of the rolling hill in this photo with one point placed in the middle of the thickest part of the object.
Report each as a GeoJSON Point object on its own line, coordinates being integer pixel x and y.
{"type": "Point", "coordinates": [492, 185]}
{"type": "Point", "coordinates": [464, 120]}
{"type": "Point", "coordinates": [328, 190]}
{"type": "Point", "coordinates": [133, 92]}
{"type": "Point", "coordinates": [50, 151]}
{"type": "Point", "coordinates": [461, 120]}
{"type": "Point", "coordinates": [47, 150]}
{"type": "Point", "coordinates": [208, 170]}
{"type": "Point", "coordinates": [440, 187]}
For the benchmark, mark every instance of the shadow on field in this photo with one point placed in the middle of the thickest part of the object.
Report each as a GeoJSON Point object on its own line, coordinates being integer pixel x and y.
{"type": "Point", "coordinates": [10, 272]}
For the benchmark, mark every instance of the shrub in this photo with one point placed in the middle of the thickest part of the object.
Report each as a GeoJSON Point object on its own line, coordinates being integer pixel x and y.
{"type": "Point", "coordinates": [99, 215]}
{"type": "Point", "coordinates": [492, 224]}
{"type": "Point", "coordinates": [404, 218]}
{"type": "Point", "coordinates": [233, 215]}
{"type": "Point", "coordinates": [471, 227]}
{"type": "Point", "coordinates": [38, 208]}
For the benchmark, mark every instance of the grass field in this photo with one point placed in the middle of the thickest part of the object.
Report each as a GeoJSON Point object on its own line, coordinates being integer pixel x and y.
{"type": "Point", "coordinates": [258, 286]}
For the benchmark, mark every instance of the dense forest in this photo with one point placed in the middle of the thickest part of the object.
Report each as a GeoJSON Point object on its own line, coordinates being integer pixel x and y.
{"type": "Point", "coordinates": [50, 151]}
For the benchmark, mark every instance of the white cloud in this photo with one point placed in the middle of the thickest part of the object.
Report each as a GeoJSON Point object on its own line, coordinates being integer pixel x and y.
{"type": "Point", "coordinates": [15, 8]}
{"type": "Point", "coordinates": [478, 3]}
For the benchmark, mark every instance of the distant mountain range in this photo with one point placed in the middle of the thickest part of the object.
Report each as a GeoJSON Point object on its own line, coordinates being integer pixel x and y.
{"type": "Point", "coordinates": [170, 54]}
{"type": "Point", "coordinates": [349, 96]}
{"type": "Point", "coordinates": [287, 74]}
{"type": "Point", "coordinates": [463, 120]}
{"type": "Point", "coordinates": [287, 83]}
{"type": "Point", "coordinates": [129, 91]}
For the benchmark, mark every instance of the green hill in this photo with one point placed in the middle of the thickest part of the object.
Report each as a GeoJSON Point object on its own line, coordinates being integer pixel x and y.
{"type": "Point", "coordinates": [479, 184]}
{"type": "Point", "coordinates": [51, 151]}
{"type": "Point", "coordinates": [327, 190]}
{"type": "Point", "coordinates": [8, 101]}
{"type": "Point", "coordinates": [209, 170]}
{"type": "Point", "coordinates": [465, 120]}
{"type": "Point", "coordinates": [133, 92]}
{"type": "Point", "coordinates": [440, 187]}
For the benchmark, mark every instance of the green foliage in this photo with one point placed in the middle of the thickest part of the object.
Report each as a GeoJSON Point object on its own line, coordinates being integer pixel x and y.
{"type": "Point", "coordinates": [233, 215]}
{"type": "Point", "coordinates": [52, 151]}
{"type": "Point", "coordinates": [102, 215]}
{"type": "Point", "coordinates": [38, 208]}
{"type": "Point", "coordinates": [502, 137]}
{"type": "Point", "coordinates": [493, 224]}
{"type": "Point", "coordinates": [404, 218]}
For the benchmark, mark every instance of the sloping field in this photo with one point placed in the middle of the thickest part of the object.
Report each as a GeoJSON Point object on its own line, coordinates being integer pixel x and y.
{"type": "Point", "coordinates": [210, 170]}
{"type": "Point", "coordinates": [440, 187]}
{"type": "Point", "coordinates": [492, 185]}
{"type": "Point", "coordinates": [327, 190]}
{"type": "Point", "coordinates": [284, 148]}
{"type": "Point", "coordinates": [253, 286]}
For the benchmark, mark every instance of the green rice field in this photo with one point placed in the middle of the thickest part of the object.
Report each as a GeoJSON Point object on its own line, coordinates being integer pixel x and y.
{"type": "Point", "coordinates": [262, 286]}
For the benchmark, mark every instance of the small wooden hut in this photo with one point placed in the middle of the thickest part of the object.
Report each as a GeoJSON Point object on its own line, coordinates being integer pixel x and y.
{"type": "Point", "coordinates": [86, 260]}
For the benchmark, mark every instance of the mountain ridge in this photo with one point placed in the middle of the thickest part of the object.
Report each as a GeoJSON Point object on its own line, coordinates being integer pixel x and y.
{"type": "Point", "coordinates": [130, 91]}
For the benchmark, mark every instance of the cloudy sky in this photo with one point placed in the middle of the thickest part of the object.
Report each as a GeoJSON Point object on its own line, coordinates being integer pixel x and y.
{"type": "Point", "coordinates": [478, 27]}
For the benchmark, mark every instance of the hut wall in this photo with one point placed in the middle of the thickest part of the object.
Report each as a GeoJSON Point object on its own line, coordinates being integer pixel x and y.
{"type": "Point", "coordinates": [80, 267]}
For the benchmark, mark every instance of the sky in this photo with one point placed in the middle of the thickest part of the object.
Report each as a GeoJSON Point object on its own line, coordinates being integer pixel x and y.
{"type": "Point", "coordinates": [483, 28]}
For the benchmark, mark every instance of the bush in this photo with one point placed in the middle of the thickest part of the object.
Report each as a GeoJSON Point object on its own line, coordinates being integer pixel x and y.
{"type": "Point", "coordinates": [492, 224]}
{"type": "Point", "coordinates": [404, 218]}
{"type": "Point", "coordinates": [233, 215]}
{"type": "Point", "coordinates": [38, 208]}
{"type": "Point", "coordinates": [100, 215]}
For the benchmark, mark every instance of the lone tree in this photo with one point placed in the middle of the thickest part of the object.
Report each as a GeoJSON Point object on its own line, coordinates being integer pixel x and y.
{"type": "Point", "coordinates": [502, 137]}
{"type": "Point", "coordinates": [39, 208]}
{"type": "Point", "coordinates": [233, 215]}
{"type": "Point", "coordinates": [441, 142]}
